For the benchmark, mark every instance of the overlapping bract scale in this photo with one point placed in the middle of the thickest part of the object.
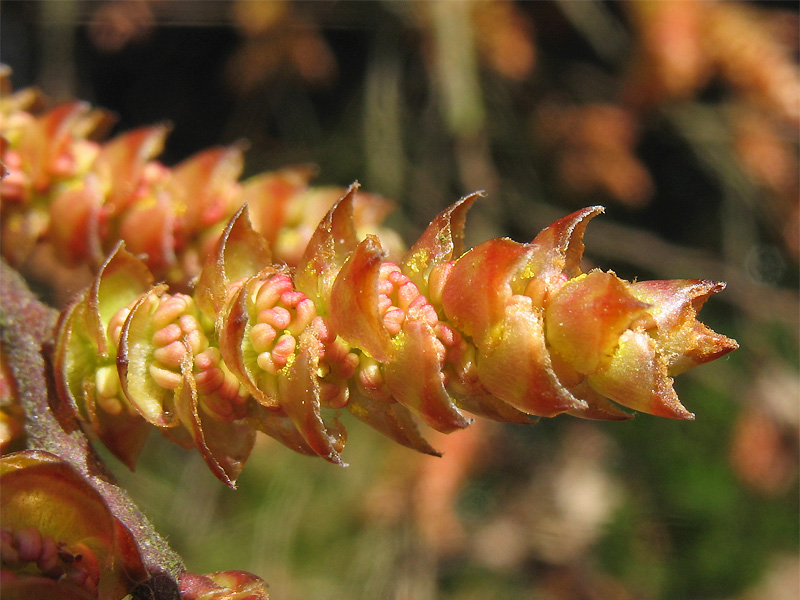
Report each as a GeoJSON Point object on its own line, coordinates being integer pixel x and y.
{"type": "Point", "coordinates": [506, 331]}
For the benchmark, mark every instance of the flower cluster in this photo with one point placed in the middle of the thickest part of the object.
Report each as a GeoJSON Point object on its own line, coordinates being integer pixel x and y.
{"type": "Point", "coordinates": [65, 188]}
{"type": "Point", "coordinates": [506, 331]}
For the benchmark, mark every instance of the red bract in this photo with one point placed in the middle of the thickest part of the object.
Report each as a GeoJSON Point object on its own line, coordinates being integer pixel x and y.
{"type": "Point", "coordinates": [506, 331]}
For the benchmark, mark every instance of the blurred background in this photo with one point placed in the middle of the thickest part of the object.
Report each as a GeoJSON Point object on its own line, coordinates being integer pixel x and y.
{"type": "Point", "coordinates": [680, 117]}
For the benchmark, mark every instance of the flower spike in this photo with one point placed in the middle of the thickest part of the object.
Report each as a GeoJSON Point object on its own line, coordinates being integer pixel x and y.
{"type": "Point", "coordinates": [506, 331]}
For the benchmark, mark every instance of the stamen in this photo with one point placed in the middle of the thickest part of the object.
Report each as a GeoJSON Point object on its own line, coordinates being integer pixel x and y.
{"type": "Point", "coordinates": [305, 311]}
{"type": "Point", "coordinates": [266, 363]}
{"type": "Point", "coordinates": [271, 291]}
{"type": "Point", "coordinates": [170, 309]}
{"type": "Point", "coordinates": [396, 276]}
{"type": "Point", "coordinates": [208, 359]}
{"type": "Point", "coordinates": [29, 544]}
{"type": "Point", "coordinates": [384, 303]}
{"type": "Point", "coordinates": [261, 337]}
{"type": "Point", "coordinates": [278, 317]}
{"type": "Point", "coordinates": [116, 323]}
{"type": "Point", "coordinates": [323, 329]}
{"type": "Point", "coordinates": [188, 323]}
{"type": "Point", "coordinates": [283, 349]}
{"type": "Point", "coordinates": [197, 341]}
{"type": "Point", "coordinates": [371, 376]}
{"type": "Point", "coordinates": [406, 294]}
{"type": "Point", "coordinates": [292, 298]}
{"type": "Point", "coordinates": [385, 287]}
{"type": "Point", "coordinates": [165, 378]}
{"type": "Point", "coordinates": [170, 355]}
{"type": "Point", "coordinates": [334, 395]}
{"type": "Point", "coordinates": [209, 380]}
{"type": "Point", "coordinates": [167, 335]}
{"type": "Point", "coordinates": [393, 320]}
{"type": "Point", "coordinates": [48, 556]}
{"type": "Point", "coordinates": [107, 381]}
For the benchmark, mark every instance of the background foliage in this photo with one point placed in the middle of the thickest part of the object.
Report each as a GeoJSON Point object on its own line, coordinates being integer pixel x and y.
{"type": "Point", "coordinates": [689, 140]}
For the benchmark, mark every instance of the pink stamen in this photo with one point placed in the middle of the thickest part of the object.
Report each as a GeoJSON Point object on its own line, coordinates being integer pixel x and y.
{"type": "Point", "coordinates": [170, 355]}
{"type": "Point", "coordinates": [447, 335]}
{"type": "Point", "coordinates": [336, 351]}
{"type": "Point", "coordinates": [278, 317]}
{"type": "Point", "coordinates": [393, 320]}
{"type": "Point", "coordinates": [261, 337]}
{"type": "Point", "coordinates": [406, 294]}
{"type": "Point", "coordinates": [29, 544]}
{"type": "Point", "coordinates": [424, 311]}
{"type": "Point", "coordinates": [230, 389]}
{"type": "Point", "coordinates": [8, 550]}
{"type": "Point", "coordinates": [209, 380]}
{"type": "Point", "coordinates": [169, 309]}
{"type": "Point", "coordinates": [208, 359]}
{"type": "Point", "coordinates": [283, 349]}
{"type": "Point", "coordinates": [219, 408]}
{"type": "Point", "coordinates": [385, 287]}
{"type": "Point", "coordinates": [384, 303]}
{"type": "Point", "coordinates": [48, 556]}
{"type": "Point", "coordinates": [188, 323]}
{"type": "Point", "coordinates": [334, 395]}
{"type": "Point", "coordinates": [386, 269]}
{"type": "Point", "coordinates": [292, 298]}
{"type": "Point", "coordinates": [397, 277]}
{"type": "Point", "coordinates": [320, 324]}
{"type": "Point", "coordinates": [305, 312]}
{"type": "Point", "coordinates": [165, 378]}
{"type": "Point", "coordinates": [271, 291]}
{"type": "Point", "coordinates": [116, 323]}
{"type": "Point", "coordinates": [167, 335]}
{"type": "Point", "coordinates": [348, 366]}
{"type": "Point", "coordinates": [197, 341]}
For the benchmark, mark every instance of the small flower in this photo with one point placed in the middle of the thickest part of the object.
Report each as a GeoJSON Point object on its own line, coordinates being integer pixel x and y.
{"type": "Point", "coordinates": [226, 585]}
{"type": "Point", "coordinates": [87, 338]}
{"type": "Point", "coordinates": [59, 539]}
